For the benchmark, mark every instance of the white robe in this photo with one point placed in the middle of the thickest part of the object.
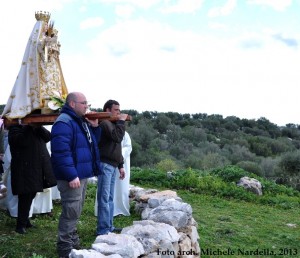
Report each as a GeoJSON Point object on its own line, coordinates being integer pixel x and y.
{"type": "Point", "coordinates": [121, 194]}
{"type": "Point", "coordinates": [55, 193]}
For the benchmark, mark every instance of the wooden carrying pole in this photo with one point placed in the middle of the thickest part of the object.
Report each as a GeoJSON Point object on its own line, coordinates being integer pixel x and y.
{"type": "Point", "coordinates": [49, 119]}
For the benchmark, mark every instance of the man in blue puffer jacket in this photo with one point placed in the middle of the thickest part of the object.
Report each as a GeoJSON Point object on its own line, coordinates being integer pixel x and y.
{"type": "Point", "coordinates": [75, 157]}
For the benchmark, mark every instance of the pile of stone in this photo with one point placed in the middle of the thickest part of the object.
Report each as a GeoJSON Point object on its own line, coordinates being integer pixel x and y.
{"type": "Point", "coordinates": [167, 230]}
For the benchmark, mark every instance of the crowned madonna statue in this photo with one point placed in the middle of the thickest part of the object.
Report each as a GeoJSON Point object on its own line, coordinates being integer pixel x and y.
{"type": "Point", "coordinates": [40, 76]}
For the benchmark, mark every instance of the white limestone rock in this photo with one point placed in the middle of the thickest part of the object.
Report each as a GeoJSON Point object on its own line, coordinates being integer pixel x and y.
{"type": "Point", "coordinates": [250, 184]}
{"type": "Point", "coordinates": [127, 246]}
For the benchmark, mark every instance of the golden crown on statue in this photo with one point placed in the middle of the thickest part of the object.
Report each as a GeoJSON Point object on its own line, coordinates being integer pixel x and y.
{"type": "Point", "coordinates": [42, 16]}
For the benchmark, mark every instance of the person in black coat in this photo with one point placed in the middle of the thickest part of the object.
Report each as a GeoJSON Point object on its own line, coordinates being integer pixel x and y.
{"type": "Point", "coordinates": [1, 166]}
{"type": "Point", "coordinates": [31, 169]}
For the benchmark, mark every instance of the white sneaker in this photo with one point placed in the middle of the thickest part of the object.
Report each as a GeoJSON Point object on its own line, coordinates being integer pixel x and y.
{"type": "Point", "coordinates": [3, 188]}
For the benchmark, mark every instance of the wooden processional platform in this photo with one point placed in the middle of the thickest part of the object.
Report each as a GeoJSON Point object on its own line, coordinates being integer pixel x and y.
{"type": "Point", "coordinates": [49, 119]}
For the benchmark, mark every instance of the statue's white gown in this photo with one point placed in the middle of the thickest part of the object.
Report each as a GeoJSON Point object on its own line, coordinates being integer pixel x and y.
{"type": "Point", "coordinates": [37, 79]}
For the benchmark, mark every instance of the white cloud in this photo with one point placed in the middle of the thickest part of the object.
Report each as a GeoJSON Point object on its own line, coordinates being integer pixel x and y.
{"type": "Point", "coordinates": [183, 6]}
{"type": "Point", "coordinates": [124, 11]}
{"type": "Point", "coordinates": [139, 3]}
{"type": "Point", "coordinates": [223, 10]}
{"type": "Point", "coordinates": [91, 23]}
{"type": "Point", "coordinates": [201, 75]}
{"type": "Point", "coordinates": [278, 5]}
{"type": "Point", "coordinates": [218, 26]}
{"type": "Point", "coordinates": [83, 8]}
{"type": "Point", "coordinates": [138, 35]}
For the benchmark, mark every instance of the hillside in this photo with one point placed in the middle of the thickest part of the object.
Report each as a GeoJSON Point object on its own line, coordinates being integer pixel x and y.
{"type": "Point", "coordinates": [202, 141]}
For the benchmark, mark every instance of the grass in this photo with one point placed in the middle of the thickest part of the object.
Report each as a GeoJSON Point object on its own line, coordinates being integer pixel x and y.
{"type": "Point", "coordinates": [40, 242]}
{"type": "Point", "coordinates": [237, 225]}
{"type": "Point", "coordinates": [223, 225]}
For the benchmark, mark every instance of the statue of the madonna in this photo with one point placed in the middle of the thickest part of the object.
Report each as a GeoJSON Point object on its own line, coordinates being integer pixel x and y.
{"type": "Point", "coordinates": [40, 76]}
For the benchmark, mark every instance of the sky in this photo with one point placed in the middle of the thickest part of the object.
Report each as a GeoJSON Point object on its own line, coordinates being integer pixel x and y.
{"type": "Point", "coordinates": [227, 57]}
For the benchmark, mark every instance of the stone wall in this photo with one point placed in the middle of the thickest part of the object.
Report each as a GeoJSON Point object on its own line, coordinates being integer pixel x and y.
{"type": "Point", "coordinates": [167, 229]}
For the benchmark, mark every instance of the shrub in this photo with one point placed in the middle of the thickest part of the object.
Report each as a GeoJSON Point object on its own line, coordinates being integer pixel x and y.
{"type": "Point", "coordinates": [185, 179]}
{"type": "Point", "coordinates": [230, 173]}
{"type": "Point", "coordinates": [220, 182]}
{"type": "Point", "coordinates": [167, 165]}
{"type": "Point", "coordinates": [251, 167]}
{"type": "Point", "coordinates": [282, 201]}
{"type": "Point", "coordinates": [148, 176]}
{"type": "Point", "coordinates": [214, 160]}
{"type": "Point", "coordinates": [269, 166]}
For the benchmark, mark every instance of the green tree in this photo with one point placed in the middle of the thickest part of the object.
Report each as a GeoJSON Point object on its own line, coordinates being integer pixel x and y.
{"type": "Point", "coordinates": [173, 133]}
{"type": "Point", "coordinates": [251, 167]}
{"type": "Point", "coordinates": [269, 166]}
{"type": "Point", "coordinates": [214, 160]}
{"type": "Point", "coordinates": [143, 133]}
{"type": "Point", "coordinates": [236, 153]}
{"type": "Point", "coordinates": [194, 134]}
{"type": "Point", "coordinates": [290, 163]}
{"type": "Point", "coordinates": [161, 123]}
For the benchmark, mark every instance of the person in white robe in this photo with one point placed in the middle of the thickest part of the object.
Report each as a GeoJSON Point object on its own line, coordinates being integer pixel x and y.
{"type": "Point", "coordinates": [55, 194]}
{"type": "Point", "coordinates": [121, 195]}
{"type": "Point", "coordinates": [40, 76]}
